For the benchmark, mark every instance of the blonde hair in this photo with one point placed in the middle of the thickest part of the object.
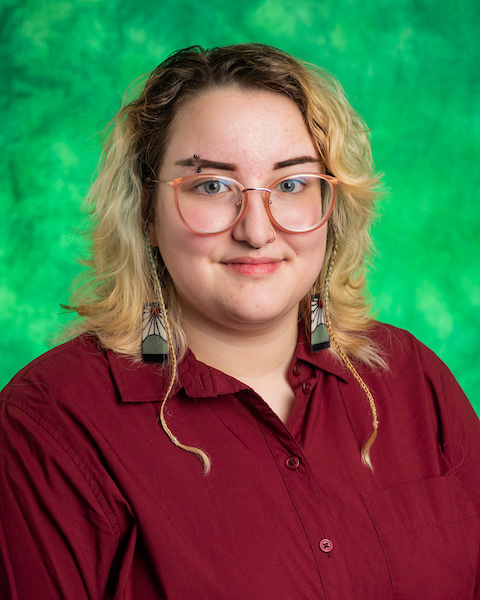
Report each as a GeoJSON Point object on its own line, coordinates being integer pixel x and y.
{"type": "Point", "coordinates": [118, 281]}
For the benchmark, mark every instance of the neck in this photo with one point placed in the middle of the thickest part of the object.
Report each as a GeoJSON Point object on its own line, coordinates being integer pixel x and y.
{"type": "Point", "coordinates": [260, 358]}
{"type": "Point", "coordinates": [247, 355]}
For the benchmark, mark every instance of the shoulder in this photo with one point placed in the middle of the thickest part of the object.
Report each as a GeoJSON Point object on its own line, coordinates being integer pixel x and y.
{"type": "Point", "coordinates": [415, 374]}
{"type": "Point", "coordinates": [402, 350]}
{"type": "Point", "coordinates": [419, 397]}
{"type": "Point", "coordinates": [80, 381]}
{"type": "Point", "coordinates": [79, 362]}
{"type": "Point", "coordinates": [50, 397]}
{"type": "Point", "coordinates": [393, 338]}
{"type": "Point", "coordinates": [417, 377]}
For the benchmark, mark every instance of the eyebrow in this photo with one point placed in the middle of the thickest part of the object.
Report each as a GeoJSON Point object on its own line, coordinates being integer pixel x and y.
{"type": "Point", "coordinates": [222, 166]}
{"type": "Point", "coordinates": [206, 164]}
{"type": "Point", "coordinates": [299, 160]}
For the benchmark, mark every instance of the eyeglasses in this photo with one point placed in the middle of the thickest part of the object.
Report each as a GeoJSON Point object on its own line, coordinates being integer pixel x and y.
{"type": "Point", "coordinates": [209, 204]}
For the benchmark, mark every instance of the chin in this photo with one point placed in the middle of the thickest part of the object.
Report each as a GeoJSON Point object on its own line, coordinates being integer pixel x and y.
{"type": "Point", "coordinates": [258, 318]}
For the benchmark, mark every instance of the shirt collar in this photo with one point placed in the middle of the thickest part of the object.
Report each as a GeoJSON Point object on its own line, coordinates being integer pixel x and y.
{"type": "Point", "coordinates": [323, 359]}
{"type": "Point", "coordinates": [148, 382]}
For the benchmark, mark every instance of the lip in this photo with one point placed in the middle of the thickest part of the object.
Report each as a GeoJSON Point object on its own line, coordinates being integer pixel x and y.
{"type": "Point", "coordinates": [249, 265]}
{"type": "Point", "coordinates": [251, 260]}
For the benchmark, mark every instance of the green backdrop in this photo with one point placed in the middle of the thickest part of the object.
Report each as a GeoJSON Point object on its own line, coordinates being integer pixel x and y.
{"type": "Point", "coordinates": [410, 67]}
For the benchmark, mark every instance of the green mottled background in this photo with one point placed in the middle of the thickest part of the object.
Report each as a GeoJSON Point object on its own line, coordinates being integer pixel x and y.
{"type": "Point", "coordinates": [410, 67]}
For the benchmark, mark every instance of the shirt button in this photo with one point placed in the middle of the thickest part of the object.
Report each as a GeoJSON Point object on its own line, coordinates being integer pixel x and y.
{"type": "Point", "coordinates": [297, 369]}
{"type": "Point", "coordinates": [325, 545]}
{"type": "Point", "coordinates": [292, 463]}
{"type": "Point", "coordinates": [307, 387]}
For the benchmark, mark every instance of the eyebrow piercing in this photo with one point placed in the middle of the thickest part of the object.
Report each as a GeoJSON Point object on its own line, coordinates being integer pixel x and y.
{"type": "Point", "coordinates": [199, 170]}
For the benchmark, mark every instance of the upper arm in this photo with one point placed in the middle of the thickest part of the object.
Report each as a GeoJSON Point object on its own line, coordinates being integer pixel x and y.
{"type": "Point", "coordinates": [58, 532]}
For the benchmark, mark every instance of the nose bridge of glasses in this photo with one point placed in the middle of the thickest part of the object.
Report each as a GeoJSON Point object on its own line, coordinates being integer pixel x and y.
{"type": "Point", "coordinates": [255, 190]}
{"type": "Point", "coordinates": [264, 190]}
{"type": "Point", "coordinates": [255, 214]}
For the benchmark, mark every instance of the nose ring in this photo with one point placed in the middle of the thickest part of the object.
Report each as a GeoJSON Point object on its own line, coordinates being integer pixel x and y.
{"type": "Point", "coordinates": [274, 237]}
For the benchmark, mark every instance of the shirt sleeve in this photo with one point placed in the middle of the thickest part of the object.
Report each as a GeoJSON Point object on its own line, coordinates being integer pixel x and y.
{"type": "Point", "coordinates": [461, 436]}
{"type": "Point", "coordinates": [59, 537]}
{"type": "Point", "coordinates": [461, 447]}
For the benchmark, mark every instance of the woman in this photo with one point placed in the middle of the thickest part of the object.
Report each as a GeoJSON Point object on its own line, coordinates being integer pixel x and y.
{"type": "Point", "coordinates": [235, 195]}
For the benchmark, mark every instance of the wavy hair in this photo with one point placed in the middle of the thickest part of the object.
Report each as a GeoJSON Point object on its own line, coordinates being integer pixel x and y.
{"type": "Point", "coordinates": [118, 281]}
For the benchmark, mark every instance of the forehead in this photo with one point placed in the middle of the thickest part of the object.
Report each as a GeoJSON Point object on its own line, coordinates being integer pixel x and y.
{"type": "Point", "coordinates": [239, 125]}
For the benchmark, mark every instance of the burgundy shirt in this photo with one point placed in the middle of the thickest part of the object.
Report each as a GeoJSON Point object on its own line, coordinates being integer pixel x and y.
{"type": "Point", "coordinates": [96, 502]}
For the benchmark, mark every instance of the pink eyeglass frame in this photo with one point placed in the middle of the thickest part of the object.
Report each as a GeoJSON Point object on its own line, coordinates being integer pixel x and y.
{"type": "Point", "coordinates": [176, 183]}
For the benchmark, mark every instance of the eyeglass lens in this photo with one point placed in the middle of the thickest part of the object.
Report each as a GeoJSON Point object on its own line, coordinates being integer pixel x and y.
{"type": "Point", "coordinates": [211, 204]}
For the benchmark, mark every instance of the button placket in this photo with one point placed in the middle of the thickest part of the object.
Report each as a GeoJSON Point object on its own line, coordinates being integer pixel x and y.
{"type": "Point", "coordinates": [308, 503]}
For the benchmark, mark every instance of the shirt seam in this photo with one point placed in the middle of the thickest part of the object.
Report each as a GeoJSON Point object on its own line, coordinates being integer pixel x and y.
{"type": "Point", "coordinates": [75, 457]}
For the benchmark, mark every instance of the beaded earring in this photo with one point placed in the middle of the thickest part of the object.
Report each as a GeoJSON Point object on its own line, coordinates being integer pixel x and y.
{"type": "Point", "coordinates": [154, 336]}
{"type": "Point", "coordinates": [319, 337]}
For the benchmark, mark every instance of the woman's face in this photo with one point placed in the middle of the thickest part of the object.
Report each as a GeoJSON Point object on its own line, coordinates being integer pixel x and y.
{"type": "Point", "coordinates": [236, 280]}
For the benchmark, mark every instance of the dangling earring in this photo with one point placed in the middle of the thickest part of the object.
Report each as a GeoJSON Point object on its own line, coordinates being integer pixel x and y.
{"type": "Point", "coordinates": [319, 337]}
{"type": "Point", "coordinates": [154, 336]}
{"type": "Point", "coordinates": [321, 330]}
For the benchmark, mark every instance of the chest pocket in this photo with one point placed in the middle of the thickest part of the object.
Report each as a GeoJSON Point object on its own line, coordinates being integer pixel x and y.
{"type": "Point", "coordinates": [429, 532]}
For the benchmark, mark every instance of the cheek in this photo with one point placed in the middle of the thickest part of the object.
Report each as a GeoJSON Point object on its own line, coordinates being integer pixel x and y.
{"type": "Point", "coordinates": [311, 247]}
{"type": "Point", "coordinates": [169, 229]}
{"type": "Point", "coordinates": [185, 254]}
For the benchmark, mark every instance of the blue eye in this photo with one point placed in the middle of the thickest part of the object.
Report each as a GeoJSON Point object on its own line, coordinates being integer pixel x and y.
{"type": "Point", "coordinates": [291, 186]}
{"type": "Point", "coordinates": [212, 186]}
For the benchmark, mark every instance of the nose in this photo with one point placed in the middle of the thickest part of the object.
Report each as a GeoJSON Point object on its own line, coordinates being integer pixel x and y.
{"type": "Point", "coordinates": [255, 226]}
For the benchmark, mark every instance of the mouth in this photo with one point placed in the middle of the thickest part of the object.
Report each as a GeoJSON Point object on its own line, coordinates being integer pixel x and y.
{"type": "Point", "coordinates": [248, 265]}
